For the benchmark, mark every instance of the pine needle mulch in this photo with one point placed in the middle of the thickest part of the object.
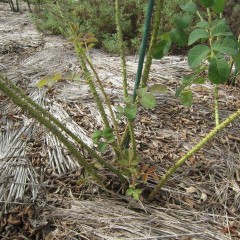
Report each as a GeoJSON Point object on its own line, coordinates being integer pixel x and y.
{"type": "Point", "coordinates": [44, 194]}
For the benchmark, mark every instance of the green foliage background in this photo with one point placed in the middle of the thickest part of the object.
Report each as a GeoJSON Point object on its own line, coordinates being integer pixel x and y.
{"type": "Point", "coordinates": [97, 17]}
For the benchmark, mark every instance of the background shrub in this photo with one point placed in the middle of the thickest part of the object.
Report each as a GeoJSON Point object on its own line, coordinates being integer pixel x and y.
{"type": "Point", "coordinates": [97, 17]}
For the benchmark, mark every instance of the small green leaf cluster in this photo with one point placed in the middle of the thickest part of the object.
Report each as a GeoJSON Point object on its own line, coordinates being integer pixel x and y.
{"type": "Point", "coordinates": [103, 138]}
{"type": "Point", "coordinates": [146, 95]}
{"type": "Point", "coordinates": [134, 192]}
{"type": "Point", "coordinates": [146, 99]}
{"type": "Point", "coordinates": [212, 40]}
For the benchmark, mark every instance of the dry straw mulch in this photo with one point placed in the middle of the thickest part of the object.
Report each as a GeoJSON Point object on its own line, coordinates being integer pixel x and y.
{"type": "Point", "coordinates": [40, 193]}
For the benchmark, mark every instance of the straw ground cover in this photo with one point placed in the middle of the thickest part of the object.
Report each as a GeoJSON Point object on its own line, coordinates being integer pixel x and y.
{"type": "Point", "coordinates": [206, 189]}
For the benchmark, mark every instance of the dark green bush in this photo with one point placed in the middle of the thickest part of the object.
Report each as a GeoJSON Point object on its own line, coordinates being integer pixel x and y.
{"type": "Point", "coordinates": [97, 17]}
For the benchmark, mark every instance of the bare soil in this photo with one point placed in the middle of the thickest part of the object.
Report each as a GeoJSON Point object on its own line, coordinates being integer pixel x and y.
{"type": "Point", "coordinates": [40, 193]}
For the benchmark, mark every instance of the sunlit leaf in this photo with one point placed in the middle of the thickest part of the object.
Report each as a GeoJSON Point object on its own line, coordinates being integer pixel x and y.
{"type": "Point", "coordinates": [186, 98]}
{"type": "Point", "coordinates": [136, 195]}
{"type": "Point", "coordinates": [124, 162]}
{"type": "Point", "coordinates": [135, 161]}
{"type": "Point", "coordinates": [49, 80]}
{"type": "Point", "coordinates": [148, 101]}
{"type": "Point", "coordinates": [142, 91]}
{"type": "Point", "coordinates": [179, 91]}
{"type": "Point", "coordinates": [128, 100]}
{"type": "Point", "coordinates": [120, 111]}
{"type": "Point", "coordinates": [158, 88]}
{"type": "Point", "coordinates": [129, 191]}
{"type": "Point", "coordinates": [130, 111]}
{"type": "Point", "coordinates": [187, 80]}
{"type": "Point", "coordinates": [199, 80]}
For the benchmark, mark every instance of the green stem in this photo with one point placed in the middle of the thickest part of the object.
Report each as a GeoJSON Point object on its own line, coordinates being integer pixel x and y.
{"type": "Point", "coordinates": [190, 153]}
{"type": "Point", "coordinates": [199, 15]}
{"type": "Point", "coordinates": [216, 109]}
{"type": "Point", "coordinates": [156, 25]}
{"type": "Point", "coordinates": [105, 97]}
{"type": "Point", "coordinates": [17, 4]}
{"type": "Point", "coordinates": [66, 130]}
{"type": "Point", "coordinates": [216, 104]}
{"type": "Point", "coordinates": [124, 68]}
{"type": "Point", "coordinates": [121, 48]}
{"type": "Point", "coordinates": [12, 5]}
{"type": "Point", "coordinates": [133, 140]}
{"type": "Point", "coordinates": [89, 80]}
{"type": "Point", "coordinates": [35, 114]}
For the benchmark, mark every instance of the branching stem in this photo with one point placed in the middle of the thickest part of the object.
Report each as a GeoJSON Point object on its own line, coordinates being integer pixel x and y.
{"type": "Point", "coordinates": [190, 153]}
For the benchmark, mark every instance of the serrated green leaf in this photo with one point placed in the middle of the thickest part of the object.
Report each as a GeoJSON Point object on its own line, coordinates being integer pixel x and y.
{"type": "Point", "coordinates": [148, 101]}
{"type": "Point", "coordinates": [129, 191]}
{"type": "Point", "coordinates": [102, 147]}
{"type": "Point", "coordinates": [218, 6]}
{"type": "Point", "coordinates": [161, 48]}
{"type": "Point", "coordinates": [182, 21]}
{"type": "Point", "coordinates": [219, 71]}
{"type": "Point", "coordinates": [135, 161]}
{"type": "Point", "coordinates": [179, 37]}
{"type": "Point", "coordinates": [179, 91]}
{"type": "Point", "coordinates": [227, 46]}
{"type": "Point", "coordinates": [77, 77]}
{"type": "Point", "coordinates": [142, 91]}
{"type": "Point", "coordinates": [186, 98]}
{"type": "Point", "coordinates": [187, 80]}
{"type": "Point", "coordinates": [165, 36]}
{"type": "Point", "coordinates": [49, 80]}
{"type": "Point", "coordinates": [124, 162]}
{"type": "Point", "coordinates": [236, 59]}
{"type": "Point", "coordinates": [97, 134]}
{"type": "Point", "coordinates": [207, 3]}
{"type": "Point", "coordinates": [130, 111]}
{"type": "Point", "coordinates": [120, 109]}
{"type": "Point", "coordinates": [107, 133]}
{"type": "Point", "coordinates": [136, 195]}
{"type": "Point", "coordinates": [128, 100]}
{"type": "Point", "coordinates": [119, 112]}
{"type": "Point", "coordinates": [98, 165]}
{"type": "Point", "coordinates": [221, 28]}
{"type": "Point", "coordinates": [196, 35]}
{"type": "Point", "coordinates": [199, 80]}
{"type": "Point", "coordinates": [202, 24]}
{"type": "Point", "coordinates": [197, 54]}
{"type": "Point", "coordinates": [158, 88]}
{"type": "Point", "coordinates": [190, 7]}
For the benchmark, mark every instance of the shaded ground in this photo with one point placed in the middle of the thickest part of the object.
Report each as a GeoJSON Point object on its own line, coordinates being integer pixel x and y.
{"type": "Point", "coordinates": [201, 201]}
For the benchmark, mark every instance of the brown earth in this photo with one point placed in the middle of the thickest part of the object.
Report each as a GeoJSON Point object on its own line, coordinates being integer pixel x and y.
{"type": "Point", "coordinates": [40, 193]}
